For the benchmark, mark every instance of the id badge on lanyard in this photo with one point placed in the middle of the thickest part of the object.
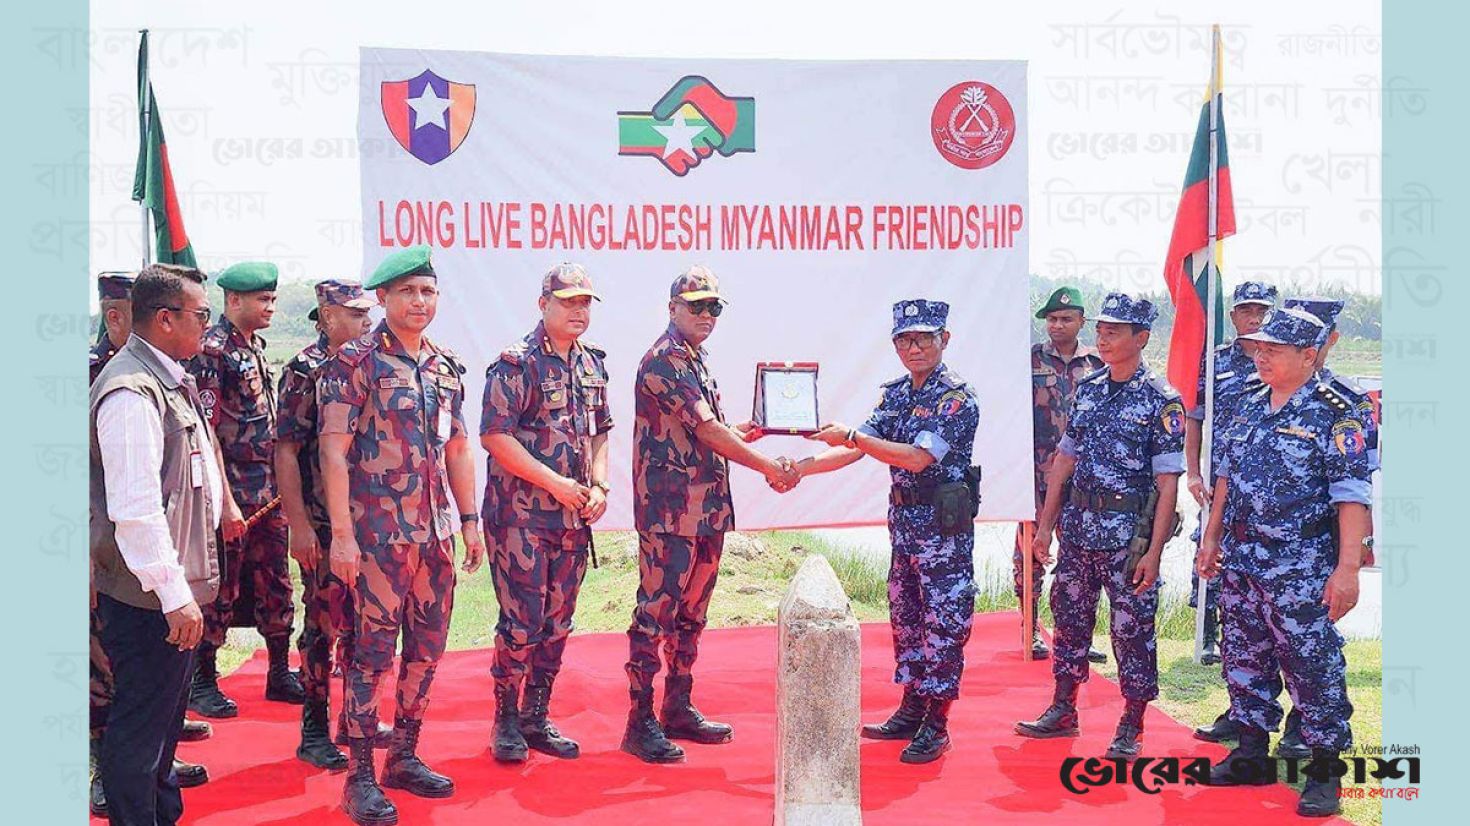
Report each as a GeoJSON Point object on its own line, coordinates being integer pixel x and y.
{"type": "Point", "coordinates": [196, 469]}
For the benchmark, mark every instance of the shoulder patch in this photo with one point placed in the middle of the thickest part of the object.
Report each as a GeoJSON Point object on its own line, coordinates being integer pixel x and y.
{"type": "Point", "coordinates": [1347, 437]}
{"type": "Point", "coordinates": [353, 352]}
{"type": "Point", "coordinates": [1337, 401]}
{"type": "Point", "coordinates": [952, 402]}
{"type": "Point", "coordinates": [1161, 384]}
{"type": "Point", "coordinates": [1172, 417]}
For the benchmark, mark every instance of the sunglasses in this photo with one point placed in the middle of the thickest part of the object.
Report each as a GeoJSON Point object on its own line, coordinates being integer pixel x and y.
{"type": "Point", "coordinates": [711, 306]}
{"type": "Point", "coordinates": [911, 341]}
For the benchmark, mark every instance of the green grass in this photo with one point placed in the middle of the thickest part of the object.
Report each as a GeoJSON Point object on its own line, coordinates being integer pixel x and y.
{"type": "Point", "coordinates": [757, 567]}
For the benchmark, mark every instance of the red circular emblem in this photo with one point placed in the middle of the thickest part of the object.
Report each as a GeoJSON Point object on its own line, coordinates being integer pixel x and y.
{"type": "Point", "coordinates": [972, 125]}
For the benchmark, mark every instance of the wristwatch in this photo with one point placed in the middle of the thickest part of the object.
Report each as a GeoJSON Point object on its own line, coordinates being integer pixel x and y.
{"type": "Point", "coordinates": [606, 488]}
{"type": "Point", "coordinates": [469, 517]}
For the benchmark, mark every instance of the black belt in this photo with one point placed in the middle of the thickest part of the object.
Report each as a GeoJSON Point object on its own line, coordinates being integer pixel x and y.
{"type": "Point", "coordinates": [1243, 532]}
{"type": "Point", "coordinates": [911, 496]}
{"type": "Point", "coordinates": [1126, 502]}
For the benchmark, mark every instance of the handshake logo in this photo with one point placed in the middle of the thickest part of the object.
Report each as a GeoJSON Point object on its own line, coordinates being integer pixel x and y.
{"type": "Point", "coordinates": [692, 121]}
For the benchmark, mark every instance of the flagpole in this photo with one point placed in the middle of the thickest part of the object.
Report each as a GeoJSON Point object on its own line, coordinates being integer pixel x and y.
{"type": "Point", "coordinates": [1212, 297]}
{"type": "Point", "coordinates": [145, 91]}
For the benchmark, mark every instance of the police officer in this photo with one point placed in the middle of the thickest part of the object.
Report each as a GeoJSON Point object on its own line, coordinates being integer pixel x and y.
{"type": "Point", "coordinates": [1289, 512]}
{"type": "Point", "coordinates": [544, 424]}
{"type": "Point", "coordinates": [1234, 369]}
{"type": "Point", "coordinates": [1057, 365]}
{"type": "Point", "coordinates": [1124, 442]}
{"type": "Point", "coordinates": [116, 309]}
{"type": "Point", "coordinates": [341, 315]}
{"type": "Point", "coordinates": [393, 450]}
{"type": "Point", "coordinates": [239, 397]}
{"type": "Point", "coordinates": [681, 509]}
{"type": "Point", "coordinates": [924, 429]}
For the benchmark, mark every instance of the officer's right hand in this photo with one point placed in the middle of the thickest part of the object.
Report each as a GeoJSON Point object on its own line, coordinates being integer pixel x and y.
{"type": "Point", "coordinates": [185, 626]}
{"type": "Point", "coordinates": [569, 493]}
{"type": "Point", "coordinates": [1041, 548]}
{"type": "Point", "coordinates": [1198, 490]}
{"type": "Point", "coordinates": [232, 523]}
{"type": "Point", "coordinates": [304, 547]}
{"type": "Point", "coordinates": [346, 557]}
{"type": "Point", "coordinates": [1207, 560]}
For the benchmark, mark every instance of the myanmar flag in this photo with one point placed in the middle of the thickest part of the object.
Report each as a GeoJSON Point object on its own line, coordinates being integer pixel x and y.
{"type": "Point", "coordinates": [1187, 267]}
{"type": "Point", "coordinates": [153, 182]}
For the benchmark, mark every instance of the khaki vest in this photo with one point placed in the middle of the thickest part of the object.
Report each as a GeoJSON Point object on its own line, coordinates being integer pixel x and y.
{"type": "Point", "coordinates": [187, 509]}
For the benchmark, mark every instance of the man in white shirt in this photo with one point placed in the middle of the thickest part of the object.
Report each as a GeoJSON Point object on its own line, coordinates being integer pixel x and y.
{"type": "Point", "coordinates": [156, 496]}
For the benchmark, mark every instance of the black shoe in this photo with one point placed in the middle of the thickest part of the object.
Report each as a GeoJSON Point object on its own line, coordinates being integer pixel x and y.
{"type": "Point", "coordinates": [362, 797]}
{"type": "Point", "coordinates": [1039, 651]}
{"type": "Point", "coordinates": [538, 731]}
{"type": "Point", "coordinates": [316, 742]}
{"type": "Point", "coordinates": [1096, 656]}
{"type": "Point", "coordinates": [281, 683]}
{"type": "Point", "coordinates": [508, 744]}
{"type": "Point", "coordinates": [404, 770]}
{"type": "Point", "coordinates": [96, 797]}
{"type": "Point", "coordinates": [1291, 747]}
{"type": "Point", "coordinates": [1320, 798]}
{"type": "Point", "coordinates": [643, 738]}
{"type": "Point", "coordinates": [205, 698]}
{"type": "Point", "coordinates": [383, 739]}
{"type": "Point", "coordinates": [1244, 765]}
{"type": "Point", "coordinates": [1128, 738]}
{"type": "Point", "coordinates": [190, 774]}
{"type": "Point", "coordinates": [195, 730]}
{"type": "Point", "coordinates": [904, 723]}
{"type": "Point", "coordinates": [680, 720]}
{"type": "Point", "coordinates": [1059, 719]}
{"type": "Point", "coordinates": [933, 737]}
{"type": "Point", "coordinates": [1210, 654]}
{"type": "Point", "coordinates": [1219, 731]}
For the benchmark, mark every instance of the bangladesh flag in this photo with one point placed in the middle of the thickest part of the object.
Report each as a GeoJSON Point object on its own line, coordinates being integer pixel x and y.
{"type": "Point", "coordinates": [1186, 269]}
{"type": "Point", "coordinates": [153, 181]}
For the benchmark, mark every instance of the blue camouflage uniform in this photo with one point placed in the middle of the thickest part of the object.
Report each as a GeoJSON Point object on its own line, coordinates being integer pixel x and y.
{"type": "Point", "coordinates": [931, 583]}
{"type": "Point", "coordinates": [1326, 310]}
{"type": "Point", "coordinates": [1285, 472]}
{"type": "Point", "coordinates": [1121, 439]}
{"type": "Point", "coordinates": [1233, 370]}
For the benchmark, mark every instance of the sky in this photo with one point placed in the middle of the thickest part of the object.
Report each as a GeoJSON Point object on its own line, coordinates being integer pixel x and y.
{"type": "Point", "coordinates": [259, 104]}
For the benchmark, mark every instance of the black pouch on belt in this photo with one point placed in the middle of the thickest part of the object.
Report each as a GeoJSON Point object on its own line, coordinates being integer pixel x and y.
{"type": "Point", "coordinates": [952, 508]}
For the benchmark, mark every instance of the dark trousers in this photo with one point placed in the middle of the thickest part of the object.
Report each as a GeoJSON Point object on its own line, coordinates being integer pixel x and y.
{"type": "Point", "coordinates": [150, 691]}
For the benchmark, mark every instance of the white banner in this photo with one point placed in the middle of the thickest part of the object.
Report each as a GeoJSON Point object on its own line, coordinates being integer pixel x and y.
{"type": "Point", "coordinates": [819, 192]}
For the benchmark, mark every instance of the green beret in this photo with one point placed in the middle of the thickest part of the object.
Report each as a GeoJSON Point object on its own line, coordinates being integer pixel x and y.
{"type": "Point", "coordinates": [411, 261]}
{"type": "Point", "coordinates": [1065, 298]}
{"type": "Point", "coordinates": [249, 277]}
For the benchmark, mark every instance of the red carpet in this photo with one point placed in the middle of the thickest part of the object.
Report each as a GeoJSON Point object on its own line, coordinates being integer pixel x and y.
{"type": "Point", "coordinates": [991, 776]}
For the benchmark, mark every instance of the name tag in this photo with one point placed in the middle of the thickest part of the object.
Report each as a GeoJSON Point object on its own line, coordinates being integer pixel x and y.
{"type": "Point", "coordinates": [196, 469]}
{"type": "Point", "coordinates": [395, 383]}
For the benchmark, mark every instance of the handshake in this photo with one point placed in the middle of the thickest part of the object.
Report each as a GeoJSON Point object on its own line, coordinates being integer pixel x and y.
{"type": "Point", "coordinates": [781, 473]}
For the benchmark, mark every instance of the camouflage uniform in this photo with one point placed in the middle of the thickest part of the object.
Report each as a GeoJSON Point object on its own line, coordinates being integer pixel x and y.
{"type": "Point", "coordinates": [401, 412]}
{"type": "Point", "coordinates": [1285, 472]}
{"type": "Point", "coordinates": [326, 599]}
{"type": "Point", "coordinates": [682, 507]}
{"type": "Point", "coordinates": [554, 408]}
{"type": "Point", "coordinates": [1121, 438]}
{"type": "Point", "coordinates": [239, 397]}
{"type": "Point", "coordinates": [100, 683]}
{"type": "Point", "coordinates": [1054, 379]}
{"type": "Point", "coordinates": [931, 581]}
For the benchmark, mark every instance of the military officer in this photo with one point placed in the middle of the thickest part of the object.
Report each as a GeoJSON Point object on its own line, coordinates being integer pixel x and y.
{"type": "Point", "coordinates": [239, 397]}
{"type": "Point", "coordinates": [681, 509]}
{"type": "Point", "coordinates": [393, 450]}
{"type": "Point", "coordinates": [1057, 365]}
{"type": "Point", "coordinates": [117, 319]}
{"type": "Point", "coordinates": [924, 429]}
{"type": "Point", "coordinates": [544, 424]}
{"type": "Point", "coordinates": [1124, 444]}
{"type": "Point", "coordinates": [341, 315]}
{"type": "Point", "coordinates": [1288, 515]}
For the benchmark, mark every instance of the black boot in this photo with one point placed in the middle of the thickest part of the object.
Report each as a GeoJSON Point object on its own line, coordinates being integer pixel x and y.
{"type": "Point", "coordinates": [904, 723]}
{"type": "Point", "coordinates": [540, 734]}
{"type": "Point", "coordinates": [1236, 768]}
{"type": "Point", "coordinates": [362, 797]}
{"type": "Point", "coordinates": [205, 698]}
{"type": "Point", "coordinates": [383, 739]}
{"type": "Point", "coordinates": [509, 745]}
{"type": "Point", "coordinates": [1059, 719]}
{"type": "Point", "coordinates": [281, 683]}
{"type": "Point", "coordinates": [404, 770]}
{"type": "Point", "coordinates": [682, 721]}
{"type": "Point", "coordinates": [1320, 797]}
{"type": "Point", "coordinates": [643, 738]}
{"type": "Point", "coordinates": [1221, 730]}
{"type": "Point", "coordinates": [1291, 747]}
{"type": "Point", "coordinates": [1128, 738]}
{"type": "Point", "coordinates": [316, 741]}
{"type": "Point", "coordinates": [195, 730]}
{"type": "Point", "coordinates": [190, 774]}
{"type": "Point", "coordinates": [932, 739]}
{"type": "Point", "coordinates": [1210, 655]}
{"type": "Point", "coordinates": [96, 798]}
{"type": "Point", "coordinates": [1096, 656]}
